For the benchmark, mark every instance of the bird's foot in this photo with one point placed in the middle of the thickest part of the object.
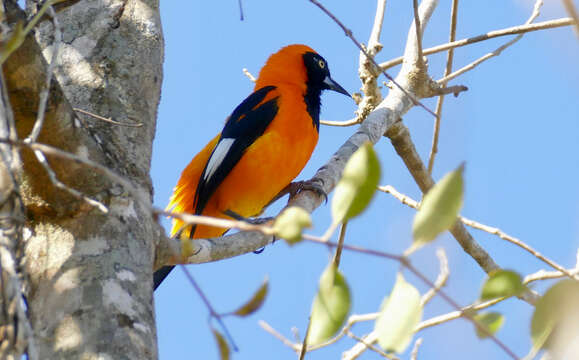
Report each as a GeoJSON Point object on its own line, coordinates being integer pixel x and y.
{"type": "Point", "coordinates": [310, 185]}
{"type": "Point", "coordinates": [254, 221]}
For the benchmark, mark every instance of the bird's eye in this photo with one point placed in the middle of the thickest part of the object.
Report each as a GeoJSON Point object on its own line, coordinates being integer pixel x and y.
{"type": "Point", "coordinates": [321, 63]}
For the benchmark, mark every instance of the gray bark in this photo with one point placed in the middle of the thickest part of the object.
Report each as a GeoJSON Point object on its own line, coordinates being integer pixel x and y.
{"type": "Point", "coordinates": [89, 292]}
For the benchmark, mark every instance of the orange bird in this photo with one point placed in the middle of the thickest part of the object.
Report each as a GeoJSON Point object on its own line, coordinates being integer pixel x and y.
{"type": "Point", "coordinates": [265, 143]}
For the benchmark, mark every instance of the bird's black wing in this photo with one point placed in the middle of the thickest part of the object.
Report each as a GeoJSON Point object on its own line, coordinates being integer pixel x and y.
{"type": "Point", "coordinates": [245, 125]}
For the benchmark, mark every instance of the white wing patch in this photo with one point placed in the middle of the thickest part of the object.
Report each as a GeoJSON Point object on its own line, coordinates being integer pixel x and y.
{"type": "Point", "coordinates": [217, 157]}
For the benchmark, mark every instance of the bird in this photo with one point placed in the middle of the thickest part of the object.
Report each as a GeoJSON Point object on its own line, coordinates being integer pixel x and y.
{"type": "Point", "coordinates": [265, 143]}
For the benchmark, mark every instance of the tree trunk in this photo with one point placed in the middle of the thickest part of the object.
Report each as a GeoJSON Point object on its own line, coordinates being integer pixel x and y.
{"type": "Point", "coordinates": [89, 292]}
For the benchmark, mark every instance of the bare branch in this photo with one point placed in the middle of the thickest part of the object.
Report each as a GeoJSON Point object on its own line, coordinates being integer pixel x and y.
{"type": "Point", "coordinates": [40, 115]}
{"type": "Point", "coordinates": [374, 45]}
{"type": "Point", "coordinates": [497, 52]}
{"type": "Point", "coordinates": [520, 29]}
{"type": "Point", "coordinates": [47, 149]}
{"type": "Point", "coordinates": [414, 353]}
{"type": "Point", "coordinates": [214, 314]}
{"type": "Point", "coordinates": [340, 123]}
{"type": "Point", "coordinates": [369, 346]}
{"type": "Point", "coordinates": [419, 33]}
{"type": "Point", "coordinates": [570, 7]}
{"type": "Point", "coordinates": [106, 119]}
{"type": "Point", "coordinates": [413, 57]}
{"type": "Point", "coordinates": [455, 90]}
{"type": "Point", "coordinates": [367, 71]}
{"type": "Point", "coordinates": [406, 200]}
{"type": "Point", "coordinates": [519, 243]}
{"type": "Point", "coordinates": [440, 280]}
{"type": "Point", "coordinates": [440, 102]}
{"type": "Point", "coordinates": [268, 328]}
{"type": "Point", "coordinates": [253, 237]}
{"type": "Point", "coordinates": [297, 347]}
{"type": "Point", "coordinates": [304, 345]}
{"type": "Point", "coordinates": [249, 75]}
{"type": "Point", "coordinates": [372, 337]}
{"type": "Point", "coordinates": [400, 137]}
{"type": "Point", "coordinates": [349, 34]}
{"type": "Point", "coordinates": [406, 263]}
{"type": "Point", "coordinates": [59, 184]}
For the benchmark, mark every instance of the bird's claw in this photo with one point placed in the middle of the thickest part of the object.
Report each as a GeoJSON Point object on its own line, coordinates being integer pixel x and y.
{"type": "Point", "coordinates": [310, 185]}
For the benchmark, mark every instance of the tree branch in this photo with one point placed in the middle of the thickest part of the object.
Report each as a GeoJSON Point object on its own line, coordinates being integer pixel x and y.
{"type": "Point", "coordinates": [497, 52]}
{"type": "Point", "coordinates": [400, 137]}
{"type": "Point", "coordinates": [520, 29]}
{"type": "Point", "coordinates": [440, 101]}
{"type": "Point", "coordinates": [572, 11]}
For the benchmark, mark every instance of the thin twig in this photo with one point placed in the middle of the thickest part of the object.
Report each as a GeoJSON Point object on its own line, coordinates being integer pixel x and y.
{"type": "Point", "coordinates": [414, 353]}
{"type": "Point", "coordinates": [418, 29]}
{"type": "Point", "coordinates": [440, 101]}
{"type": "Point", "coordinates": [349, 34]}
{"type": "Point", "coordinates": [406, 200]}
{"type": "Point", "coordinates": [367, 71]}
{"type": "Point", "coordinates": [453, 315]}
{"type": "Point", "coordinates": [572, 11]}
{"type": "Point", "coordinates": [59, 184]}
{"type": "Point", "coordinates": [105, 119]}
{"type": "Point", "coordinates": [371, 347]}
{"type": "Point", "coordinates": [51, 150]}
{"type": "Point", "coordinates": [520, 29]}
{"type": "Point", "coordinates": [383, 254]}
{"type": "Point", "coordinates": [374, 40]}
{"type": "Point", "coordinates": [249, 75]}
{"type": "Point", "coordinates": [214, 314]}
{"type": "Point", "coordinates": [40, 115]}
{"type": "Point", "coordinates": [191, 219]}
{"type": "Point", "coordinates": [440, 280]}
{"type": "Point", "coordinates": [404, 146]}
{"type": "Point", "coordinates": [372, 337]}
{"type": "Point", "coordinates": [519, 243]}
{"type": "Point", "coordinates": [404, 262]}
{"type": "Point", "coordinates": [497, 52]}
{"type": "Point", "coordinates": [454, 304]}
{"type": "Point", "coordinates": [268, 328]}
{"type": "Point", "coordinates": [338, 254]}
{"type": "Point", "coordinates": [241, 18]}
{"type": "Point", "coordinates": [304, 346]}
{"type": "Point", "coordinates": [353, 319]}
{"type": "Point", "coordinates": [340, 123]}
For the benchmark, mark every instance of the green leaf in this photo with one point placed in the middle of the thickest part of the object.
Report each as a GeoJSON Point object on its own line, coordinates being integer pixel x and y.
{"type": "Point", "coordinates": [330, 307]}
{"type": "Point", "coordinates": [502, 283]}
{"type": "Point", "coordinates": [400, 314]}
{"type": "Point", "coordinates": [256, 300]}
{"type": "Point", "coordinates": [290, 224]}
{"type": "Point", "coordinates": [357, 185]}
{"type": "Point", "coordinates": [555, 322]}
{"type": "Point", "coordinates": [439, 208]}
{"type": "Point", "coordinates": [224, 351]}
{"type": "Point", "coordinates": [491, 321]}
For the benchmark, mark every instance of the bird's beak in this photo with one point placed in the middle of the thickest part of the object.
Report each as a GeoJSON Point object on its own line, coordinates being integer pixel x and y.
{"type": "Point", "coordinates": [332, 85]}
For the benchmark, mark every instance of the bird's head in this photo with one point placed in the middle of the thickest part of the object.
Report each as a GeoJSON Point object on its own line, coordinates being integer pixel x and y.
{"type": "Point", "coordinates": [299, 65]}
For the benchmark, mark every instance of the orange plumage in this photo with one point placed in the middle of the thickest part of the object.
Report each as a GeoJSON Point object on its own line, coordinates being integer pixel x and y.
{"type": "Point", "coordinates": [265, 143]}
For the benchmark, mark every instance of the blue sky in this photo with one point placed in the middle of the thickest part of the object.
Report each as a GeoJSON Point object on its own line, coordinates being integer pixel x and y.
{"type": "Point", "coordinates": [516, 128]}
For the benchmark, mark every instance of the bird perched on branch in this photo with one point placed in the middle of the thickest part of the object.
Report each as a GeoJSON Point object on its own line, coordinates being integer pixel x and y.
{"type": "Point", "coordinates": [265, 143]}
